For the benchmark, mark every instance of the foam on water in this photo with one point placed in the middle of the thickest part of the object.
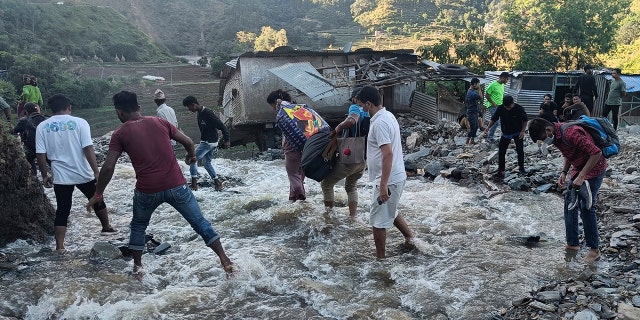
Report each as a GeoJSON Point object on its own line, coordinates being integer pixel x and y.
{"type": "Point", "coordinates": [296, 260]}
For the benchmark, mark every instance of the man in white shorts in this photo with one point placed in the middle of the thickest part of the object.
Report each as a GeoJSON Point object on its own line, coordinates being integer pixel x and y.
{"type": "Point", "coordinates": [386, 169]}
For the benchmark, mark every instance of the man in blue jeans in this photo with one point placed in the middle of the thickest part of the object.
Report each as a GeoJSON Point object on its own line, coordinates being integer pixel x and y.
{"type": "Point", "coordinates": [147, 141]}
{"type": "Point", "coordinates": [209, 124]}
{"type": "Point", "coordinates": [588, 169]}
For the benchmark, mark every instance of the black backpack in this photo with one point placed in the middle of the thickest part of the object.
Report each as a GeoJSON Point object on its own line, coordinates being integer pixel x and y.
{"type": "Point", "coordinates": [318, 156]}
{"type": "Point", "coordinates": [30, 131]}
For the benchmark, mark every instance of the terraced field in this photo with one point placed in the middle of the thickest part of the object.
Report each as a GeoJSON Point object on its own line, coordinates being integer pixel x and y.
{"type": "Point", "coordinates": [181, 80]}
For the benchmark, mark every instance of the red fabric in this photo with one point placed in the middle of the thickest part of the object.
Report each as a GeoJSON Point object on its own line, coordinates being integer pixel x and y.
{"type": "Point", "coordinates": [147, 142]}
{"type": "Point", "coordinates": [578, 149]}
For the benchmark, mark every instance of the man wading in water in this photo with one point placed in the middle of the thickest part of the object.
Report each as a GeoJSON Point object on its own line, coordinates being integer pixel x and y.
{"type": "Point", "coordinates": [159, 179]}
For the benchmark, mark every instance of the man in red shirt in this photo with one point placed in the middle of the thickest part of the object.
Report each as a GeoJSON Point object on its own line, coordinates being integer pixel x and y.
{"type": "Point", "coordinates": [588, 167]}
{"type": "Point", "coordinates": [147, 141]}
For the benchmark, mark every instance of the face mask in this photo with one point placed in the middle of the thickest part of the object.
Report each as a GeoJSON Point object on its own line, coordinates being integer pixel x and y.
{"type": "Point", "coordinates": [548, 140]}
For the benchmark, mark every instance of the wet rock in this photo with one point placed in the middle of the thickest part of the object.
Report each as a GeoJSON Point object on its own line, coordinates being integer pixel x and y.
{"type": "Point", "coordinates": [433, 169]}
{"type": "Point", "coordinates": [519, 184]}
{"type": "Point", "coordinates": [548, 296]}
{"type": "Point", "coordinates": [542, 306]}
{"type": "Point", "coordinates": [628, 312]}
{"type": "Point", "coordinates": [543, 188]}
{"type": "Point", "coordinates": [586, 315]}
{"type": "Point", "coordinates": [104, 251]}
{"type": "Point", "coordinates": [423, 152]}
{"type": "Point", "coordinates": [413, 140]}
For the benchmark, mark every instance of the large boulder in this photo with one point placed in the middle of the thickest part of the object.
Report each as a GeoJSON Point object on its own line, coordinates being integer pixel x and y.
{"type": "Point", "coordinates": [27, 212]}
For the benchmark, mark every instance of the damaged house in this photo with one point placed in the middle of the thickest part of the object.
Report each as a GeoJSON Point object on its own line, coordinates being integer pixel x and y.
{"type": "Point", "coordinates": [324, 81]}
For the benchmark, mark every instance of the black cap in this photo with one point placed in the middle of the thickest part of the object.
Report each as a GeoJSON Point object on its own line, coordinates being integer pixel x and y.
{"type": "Point", "coordinates": [354, 93]}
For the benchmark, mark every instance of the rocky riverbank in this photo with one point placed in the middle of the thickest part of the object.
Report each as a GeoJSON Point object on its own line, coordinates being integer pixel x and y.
{"type": "Point", "coordinates": [608, 289]}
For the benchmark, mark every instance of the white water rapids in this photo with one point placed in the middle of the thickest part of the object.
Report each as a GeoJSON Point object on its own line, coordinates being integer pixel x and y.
{"type": "Point", "coordinates": [295, 261]}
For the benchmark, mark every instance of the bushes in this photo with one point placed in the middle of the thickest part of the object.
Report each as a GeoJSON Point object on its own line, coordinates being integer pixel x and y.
{"type": "Point", "coordinates": [84, 93]}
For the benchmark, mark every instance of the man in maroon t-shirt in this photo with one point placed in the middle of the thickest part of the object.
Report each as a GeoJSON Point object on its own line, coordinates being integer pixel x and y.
{"type": "Point", "coordinates": [588, 168]}
{"type": "Point", "coordinates": [147, 141]}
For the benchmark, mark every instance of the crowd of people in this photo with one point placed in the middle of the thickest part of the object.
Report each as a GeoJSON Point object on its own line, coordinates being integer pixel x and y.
{"type": "Point", "coordinates": [62, 145]}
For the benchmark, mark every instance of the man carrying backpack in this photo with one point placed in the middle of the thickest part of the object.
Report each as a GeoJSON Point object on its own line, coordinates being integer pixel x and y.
{"type": "Point", "coordinates": [26, 128]}
{"type": "Point", "coordinates": [588, 164]}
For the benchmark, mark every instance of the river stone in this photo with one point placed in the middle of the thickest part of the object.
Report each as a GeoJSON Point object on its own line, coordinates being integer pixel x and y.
{"type": "Point", "coordinates": [595, 307]}
{"type": "Point", "coordinates": [542, 306]}
{"type": "Point", "coordinates": [105, 250]}
{"type": "Point", "coordinates": [636, 301]}
{"type": "Point", "coordinates": [543, 188]}
{"type": "Point", "coordinates": [519, 184]}
{"type": "Point", "coordinates": [628, 311]}
{"type": "Point", "coordinates": [631, 169]}
{"type": "Point", "coordinates": [423, 152]}
{"type": "Point", "coordinates": [433, 168]}
{"type": "Point", "coordinates": [585, 315]}
{"type": "Point", "coordinates": [548, 296]}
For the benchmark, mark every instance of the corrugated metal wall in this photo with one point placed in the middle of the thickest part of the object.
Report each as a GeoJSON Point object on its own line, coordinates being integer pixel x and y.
{"type": "Point", "coordinates": [232, 105]}
{"type": "Point", "coordinates": [424, 105]}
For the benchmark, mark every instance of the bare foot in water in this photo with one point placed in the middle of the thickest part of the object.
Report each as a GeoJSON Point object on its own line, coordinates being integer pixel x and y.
{"type": "Point", "coordinates": [592, 256]}
{"type": "Point", "coordinates": [230, 269]}
{"type": "Point", "coordinates": [137, 272]}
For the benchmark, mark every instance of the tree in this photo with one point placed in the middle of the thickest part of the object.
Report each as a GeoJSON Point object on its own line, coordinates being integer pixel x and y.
{"type": "Point", "coordinates": [373, 14]}
{"type": "Point", "coordinates": [246, 40]}
{"type": "Point", "coordinates": [553, 35]}
{"type": "Point", "coordinates": [472, 48]}
{"type": "Point", "coordinates": [270, 39]}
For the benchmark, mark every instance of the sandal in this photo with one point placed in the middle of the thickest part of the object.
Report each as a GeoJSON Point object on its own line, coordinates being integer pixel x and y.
{"type": "Point", "coordinates": [110, 231]}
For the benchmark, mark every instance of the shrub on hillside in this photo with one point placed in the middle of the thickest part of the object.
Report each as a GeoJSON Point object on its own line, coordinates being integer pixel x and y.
{"type": "Point", "coordinates": [84, 93]}
{"type": "Point", "coordinates": [8, 92]}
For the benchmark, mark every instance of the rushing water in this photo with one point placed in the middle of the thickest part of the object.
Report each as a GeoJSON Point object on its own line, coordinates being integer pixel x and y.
{"type": "Point", "coordinates": [296, 261]}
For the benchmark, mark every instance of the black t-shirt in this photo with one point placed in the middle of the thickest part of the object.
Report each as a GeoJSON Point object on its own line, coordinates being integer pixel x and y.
{"type": "Point", "coordinates": [510, 120]}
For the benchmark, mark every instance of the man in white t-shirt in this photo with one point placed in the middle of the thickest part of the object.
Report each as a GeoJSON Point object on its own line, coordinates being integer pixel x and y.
{"type": "Point", "coordinates": [66, 141]}
{"type": "Point", "coordinates": [164, 111]}
{"type": "Point", "coordinates": [386, 170]}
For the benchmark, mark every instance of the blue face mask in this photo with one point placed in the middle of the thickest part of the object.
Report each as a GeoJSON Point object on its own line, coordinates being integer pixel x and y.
{"type": "Point", "coordinates": [548, 140]}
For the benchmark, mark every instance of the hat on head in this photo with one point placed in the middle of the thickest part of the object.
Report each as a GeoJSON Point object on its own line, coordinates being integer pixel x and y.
{"type": "Point", "coordinates": [354, 93]}
{"type": "Point", "coordinates": [159, 95]}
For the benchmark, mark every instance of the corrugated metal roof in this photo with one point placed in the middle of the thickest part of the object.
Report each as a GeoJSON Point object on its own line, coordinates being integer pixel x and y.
{"type": "Point", "coordinates": [632, 82]}
{"type": "Point", "coordinates": [232, 63]}
{"type": "Point", "coordinates": [301, 53]}
{"type": "Point", "coordinates": [304, 77]}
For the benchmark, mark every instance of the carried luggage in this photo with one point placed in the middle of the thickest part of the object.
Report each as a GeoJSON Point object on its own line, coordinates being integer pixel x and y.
{"type": "Point", "coordinates": [319, 156]}
{"type": "Point", "coordinates": [298, 122]}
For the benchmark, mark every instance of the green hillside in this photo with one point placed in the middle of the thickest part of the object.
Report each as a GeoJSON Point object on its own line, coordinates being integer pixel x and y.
{"type": "Point", "coordinates": [73, 30]}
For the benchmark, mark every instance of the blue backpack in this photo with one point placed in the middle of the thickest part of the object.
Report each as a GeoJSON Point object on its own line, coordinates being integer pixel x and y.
{"type": "Point", "coordinates": [602, 132]}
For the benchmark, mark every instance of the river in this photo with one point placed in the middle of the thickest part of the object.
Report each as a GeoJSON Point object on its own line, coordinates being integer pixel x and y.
{"type": "Point", "coordinates": [295, 260]}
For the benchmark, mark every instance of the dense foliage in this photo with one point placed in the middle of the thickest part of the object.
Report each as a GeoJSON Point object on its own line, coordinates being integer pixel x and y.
{"type": "Point", "coordinates": [482, 34]}
{"type": "Point", "coordinates": [37, 38]}
{"type": "Point", "coordinates": [555, 35]}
